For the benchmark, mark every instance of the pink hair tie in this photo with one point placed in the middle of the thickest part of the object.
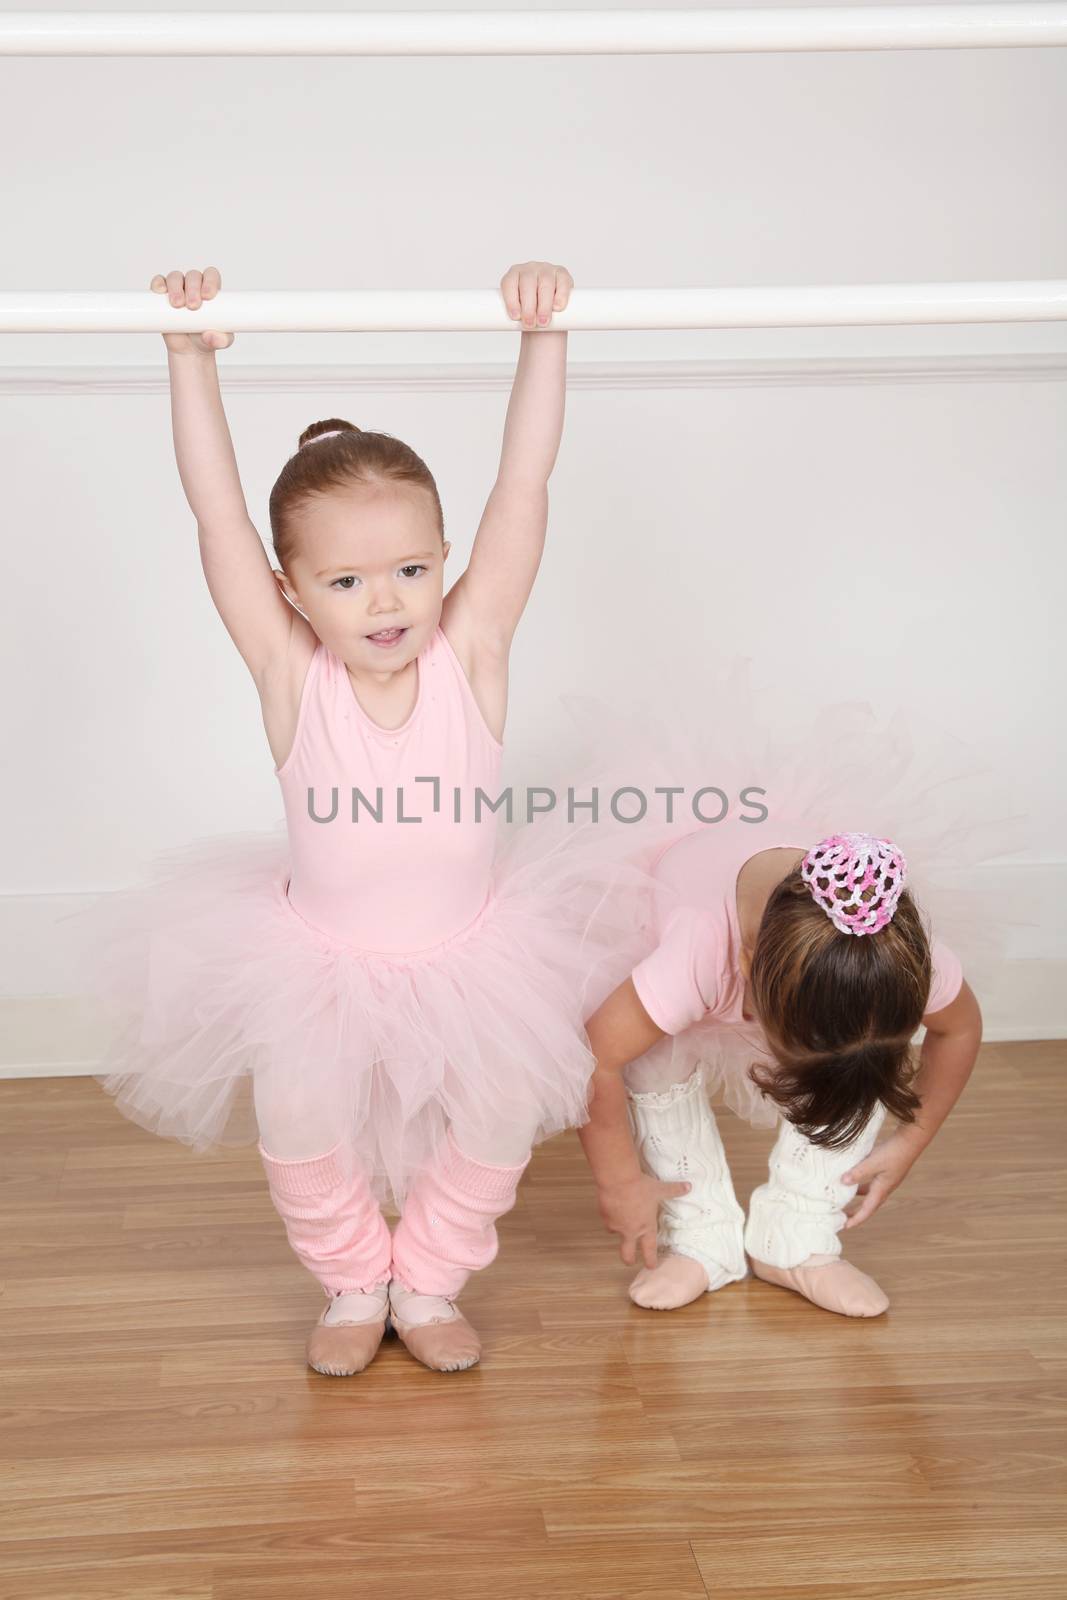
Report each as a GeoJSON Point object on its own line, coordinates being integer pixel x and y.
{"type": "Point", "coordinates": [328, 435]}
{"type": "Point", "coordinates": [839, 870]}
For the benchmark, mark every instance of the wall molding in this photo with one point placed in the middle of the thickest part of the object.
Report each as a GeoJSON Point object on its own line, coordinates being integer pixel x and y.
{"type": "Point", "coordinates": [482, 377]}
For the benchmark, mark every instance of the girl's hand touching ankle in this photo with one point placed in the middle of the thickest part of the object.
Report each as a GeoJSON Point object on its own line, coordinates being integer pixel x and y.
{"type": "Point", "coordinates": [190, 289]}
{"type": "Point", "coordinates": [883, 1170]}
{"type": "Point", "coordinates": [532, 290]}
{"type": "Point", "coordinates": [631, 1208]}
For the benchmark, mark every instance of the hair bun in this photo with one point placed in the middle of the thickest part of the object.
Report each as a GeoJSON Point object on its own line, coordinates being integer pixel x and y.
{"type": "Point", "coordinates": [319, 430]}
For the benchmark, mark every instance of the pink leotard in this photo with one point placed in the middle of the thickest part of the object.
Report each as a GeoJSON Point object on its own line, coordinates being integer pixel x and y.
{"type": "Point", "coordinates": [390, 886]}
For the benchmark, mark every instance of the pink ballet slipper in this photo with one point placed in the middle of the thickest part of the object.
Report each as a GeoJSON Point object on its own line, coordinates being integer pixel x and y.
{"type": "Point", "coordinates": [345, 1346]}
{"type": "Point", "coordinates": [829, 1282]}
{"type": "Point", "coordinates": [674, 1282]}
{"type": "Point", "coordinates": [444, 1343]}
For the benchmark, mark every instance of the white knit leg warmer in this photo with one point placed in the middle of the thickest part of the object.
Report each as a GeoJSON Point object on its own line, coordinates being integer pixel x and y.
{"type": "Point", "coordinates": [799, 1211]}
{"type": "Point", "coordinates": [678, 1142]}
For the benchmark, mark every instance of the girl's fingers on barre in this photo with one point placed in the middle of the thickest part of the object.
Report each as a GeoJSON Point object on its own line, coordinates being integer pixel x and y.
{"type": "Point", "coordinates": [191, 289]}
{"type": "Point", "coordinates": [509, 288]}
{"type": "Point", "coordinates": [528, 297]}
{"type": "Point", "coordinates": [532, 290]}
{"type": "Point", "coordinates": [546, 293]}
{"type": "Point", "coordinates": [205, 284]}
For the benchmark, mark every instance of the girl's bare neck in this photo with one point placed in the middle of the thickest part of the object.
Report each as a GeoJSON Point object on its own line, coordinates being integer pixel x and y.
{"type": "Point", "coordinates": [756, 882]}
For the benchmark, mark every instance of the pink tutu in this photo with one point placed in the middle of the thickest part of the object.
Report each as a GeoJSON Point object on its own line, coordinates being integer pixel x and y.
{"type": "Point", "coordinates": [848, 768]}
{"type": "Point", "coordinates": [210, 977]}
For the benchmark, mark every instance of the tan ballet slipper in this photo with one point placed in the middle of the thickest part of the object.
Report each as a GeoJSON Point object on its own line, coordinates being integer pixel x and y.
{"type": "Point", "coordinates": [673, 1282]}
{"type": "Point", "coordinates": [341, 1349]}
{"type": "Point", "coordinates": [829, 1282]}
{"type": "Point", "coordinates": [443, 1345]}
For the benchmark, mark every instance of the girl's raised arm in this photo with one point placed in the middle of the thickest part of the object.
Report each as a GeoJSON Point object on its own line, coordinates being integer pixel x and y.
{"type": "Point", "coordinates": [490, 597]}
{"type": "Point", "coordinates": [256, 614]}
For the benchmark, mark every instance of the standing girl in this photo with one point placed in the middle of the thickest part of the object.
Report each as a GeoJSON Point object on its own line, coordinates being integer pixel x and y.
{"type": "Point", "coordinates": [392, 1010]}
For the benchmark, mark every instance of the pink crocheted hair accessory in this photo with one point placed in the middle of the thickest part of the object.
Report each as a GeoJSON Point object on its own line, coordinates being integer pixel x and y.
{"type": "Point", "coordinates": [841, 869]}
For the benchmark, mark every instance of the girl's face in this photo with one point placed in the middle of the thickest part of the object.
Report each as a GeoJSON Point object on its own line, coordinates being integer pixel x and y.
{"type": "Point", "coordinates": [369, 575]}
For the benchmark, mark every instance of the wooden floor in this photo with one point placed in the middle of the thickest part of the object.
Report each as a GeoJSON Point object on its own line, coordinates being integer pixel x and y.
{"type": "Point", "coordinates": [166, 1441]}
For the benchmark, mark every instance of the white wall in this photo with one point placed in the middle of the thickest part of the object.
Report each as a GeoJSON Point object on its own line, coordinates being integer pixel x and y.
{"type": "Point", "coordinates": [700, 493]}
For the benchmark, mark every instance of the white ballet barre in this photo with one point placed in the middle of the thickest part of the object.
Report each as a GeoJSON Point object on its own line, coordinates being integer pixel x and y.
{"type": "Point", "coordinates": [461, 33]}
{"type": "Point", "coordinates": [482, 310]}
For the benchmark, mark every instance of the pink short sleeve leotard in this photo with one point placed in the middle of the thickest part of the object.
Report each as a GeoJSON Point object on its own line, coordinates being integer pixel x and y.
{"type": "Point", "coordinates": [418, 876]}
{"type": "Point", "coordinates": [694, 972]}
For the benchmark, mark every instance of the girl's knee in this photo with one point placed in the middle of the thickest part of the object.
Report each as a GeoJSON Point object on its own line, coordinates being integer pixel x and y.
{"type": "Point", "coordinates": [504, 1146]}
{"type": "Point", "coordinates": [292, 1125]}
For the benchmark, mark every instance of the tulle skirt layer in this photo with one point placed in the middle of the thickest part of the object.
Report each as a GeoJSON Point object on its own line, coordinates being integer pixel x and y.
{"type": "Point", "coordinates": [223, 999]}
{"type": "Point", "coordinates": [224, 1006]}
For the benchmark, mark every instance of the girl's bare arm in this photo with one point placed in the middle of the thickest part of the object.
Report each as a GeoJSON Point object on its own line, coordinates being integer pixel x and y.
{"type": "Point", "coordinates": [946, 1060]}
{"type": "Point", "coordinates": [487, 602]}
{"type": "Point", "coordinates": [618, 1031]}
{"type": "Point", "coordinates": [253, 609]}
{"type": "Point", "coordinates": [629, 1198]}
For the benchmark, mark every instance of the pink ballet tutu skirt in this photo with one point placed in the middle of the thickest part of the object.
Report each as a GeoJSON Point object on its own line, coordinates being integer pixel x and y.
{"type": "Point", "coordinates": [848, 768]}
{"type": "Point", "coordinates": [205, 975]}
{"type": "Point", "coordinates": [209, 976]}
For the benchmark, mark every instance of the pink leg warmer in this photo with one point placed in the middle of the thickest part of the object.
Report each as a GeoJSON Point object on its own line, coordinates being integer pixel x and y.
{"type": "Point", "coordinates": [447, 1229]}
{"type": "Point", "coordinates": [332, 1220]}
